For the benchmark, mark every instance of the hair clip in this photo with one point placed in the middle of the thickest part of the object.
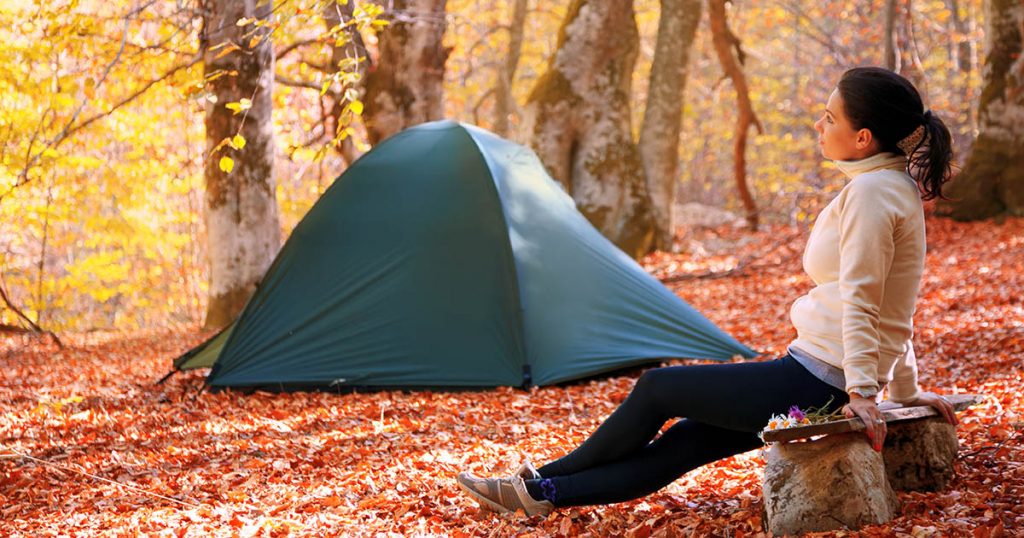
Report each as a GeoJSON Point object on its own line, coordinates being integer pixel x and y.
{"type": "Point", "coordinates": [911, 141]}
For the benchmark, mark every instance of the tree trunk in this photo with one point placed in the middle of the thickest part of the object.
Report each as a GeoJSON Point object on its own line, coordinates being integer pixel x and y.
{"type": "Point", "coordinates": [504, 103]}
{"type": "Point", "coordinates": [992, 181]}
{"type": "Point", "coordinates": [961, 67]}
{"type": "Point", "coordinates": [241, 209]}
{"type": "Point", "coordinates": [659, 134]}
{"type": "Point", "coordinates": [726, 43]}
{"type": "Point", "coordinates": [578, 121]}
{"type": "Point", "coordinates": [911, 66]}
{"type": "Point", "coordinates": [889, 53]}
{"type": "Point", "coordinates": [405, 87]}
{"type": "Point", "coordinates": [962, 46]}
{"type": "Point", "coordinates": [335, 14]}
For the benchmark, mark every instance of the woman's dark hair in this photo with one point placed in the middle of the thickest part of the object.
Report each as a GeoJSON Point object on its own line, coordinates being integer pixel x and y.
{"type": "Point", "coordinates": [889, 106]}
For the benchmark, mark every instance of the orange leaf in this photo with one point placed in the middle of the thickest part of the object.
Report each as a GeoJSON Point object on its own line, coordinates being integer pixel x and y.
{"type": "Point", "coordinates": [331, 501]}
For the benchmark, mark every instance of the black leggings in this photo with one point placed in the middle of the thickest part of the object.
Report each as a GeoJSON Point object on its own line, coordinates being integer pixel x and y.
{"type": "Point", "coordinates": [724, 407]}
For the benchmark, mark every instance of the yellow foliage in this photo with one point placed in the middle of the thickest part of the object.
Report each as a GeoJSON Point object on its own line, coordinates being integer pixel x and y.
{"type": "Point", "coordinates": [241, 105]}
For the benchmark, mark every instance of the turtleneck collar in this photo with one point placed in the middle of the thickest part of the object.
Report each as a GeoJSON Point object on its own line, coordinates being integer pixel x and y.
{"type": "Point", "coordinates": [878, 161]}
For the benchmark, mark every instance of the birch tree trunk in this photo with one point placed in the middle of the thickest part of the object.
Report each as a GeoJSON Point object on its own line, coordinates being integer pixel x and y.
{"type": "Point", "coordinates": [504, 104]}
{"type": "Point", "coordinates": [243, 235]}
{"type": "Point", "coordinates": [659, 134]}
{"type": "Point", "coordinates": [406, 85]}
{"type": "Point", "coordinates": [726, 44]}
{"type": "Point", "coordinates": [992, 181]}
{"type": "Point", "coordinates": [578, 120]}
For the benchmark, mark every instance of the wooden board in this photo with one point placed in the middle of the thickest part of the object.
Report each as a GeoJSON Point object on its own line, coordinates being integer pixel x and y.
{"type": "Point", "coordinates": [959, 401]}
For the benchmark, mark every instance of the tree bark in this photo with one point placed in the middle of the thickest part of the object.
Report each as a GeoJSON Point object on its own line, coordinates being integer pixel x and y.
{"type": "Point", "coordinates": [731, 56]}
{"type": "Point", "coordinates": [578, 120]}
{"type": "Point", "coordinates": [992, 181]}
{"type": "Point", "coordinates": [241, 208]}
{"type": "Point", "coordinates": [504, 103]}
{"type": "Point", "coordinates": [961, 45]}
{"type": "Point", "coordinates": [405, 86]}
{"type": "Point", "coordinates": [889, 53]}
{"type": "Point", "coordinates": [335, 14]}
{"type": "Point", "coordinates": [962, 65]}
{"type": "Point", "coordinates": [659, 134]}
{"type": "Point", "coordinates": [911, 66]}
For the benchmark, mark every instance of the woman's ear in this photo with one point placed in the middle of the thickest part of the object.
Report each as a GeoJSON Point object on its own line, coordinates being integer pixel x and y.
{"type": "Point", "coordinates": [864, 139]}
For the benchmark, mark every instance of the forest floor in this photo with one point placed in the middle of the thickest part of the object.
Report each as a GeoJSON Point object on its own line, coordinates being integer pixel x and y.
{"type": "Point", "coordinates": [90, 445]}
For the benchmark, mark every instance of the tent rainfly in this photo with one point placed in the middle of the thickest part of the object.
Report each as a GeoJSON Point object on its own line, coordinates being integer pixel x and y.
{"type": "Point", "coordinates": [447, 257]}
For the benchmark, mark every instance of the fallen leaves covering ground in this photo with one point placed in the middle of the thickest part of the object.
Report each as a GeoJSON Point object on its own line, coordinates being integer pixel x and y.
{"type": "Point", "coordinates": [166, 460]}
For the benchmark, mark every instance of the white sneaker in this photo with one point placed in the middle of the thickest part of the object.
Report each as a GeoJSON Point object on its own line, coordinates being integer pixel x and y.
{"type": "Point", "coordinates": [528, 472]}
{"type": "Point", "coordinates": [503, 494]}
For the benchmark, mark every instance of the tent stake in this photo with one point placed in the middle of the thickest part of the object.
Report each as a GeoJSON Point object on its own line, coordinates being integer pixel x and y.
{"type": "Point", "coordinates": [166, 377]}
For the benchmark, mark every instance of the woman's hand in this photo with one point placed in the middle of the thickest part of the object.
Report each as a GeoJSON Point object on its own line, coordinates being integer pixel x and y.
{"type": "Point", "coordinates": [874, 422]}
{"type": "Point", "coordinates": [940, 404]}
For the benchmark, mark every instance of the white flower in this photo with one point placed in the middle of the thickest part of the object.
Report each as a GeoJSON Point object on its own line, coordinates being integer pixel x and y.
{"type": "Point", "coordinates": [775, 422]}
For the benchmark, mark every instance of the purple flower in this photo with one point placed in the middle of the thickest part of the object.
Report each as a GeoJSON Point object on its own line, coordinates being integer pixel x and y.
{"type": "Point", "coordinates": [796, 414]}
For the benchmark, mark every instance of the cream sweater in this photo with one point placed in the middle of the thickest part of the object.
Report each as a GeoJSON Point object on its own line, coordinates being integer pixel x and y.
{"type": "Point", "coordinates": [866, 256]}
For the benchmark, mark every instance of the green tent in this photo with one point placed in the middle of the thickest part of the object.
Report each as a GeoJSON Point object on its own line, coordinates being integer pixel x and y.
{"type": "Point", "coordinates": [446, 256]}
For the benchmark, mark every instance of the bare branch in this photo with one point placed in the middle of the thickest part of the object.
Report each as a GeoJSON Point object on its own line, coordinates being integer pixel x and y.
{"type": "Point", "coordinates": [21, 315]}
{"type": "Point", "coordinates": [479, 103]}
{"type": "Point", "coordinates": [135, 95]}
{"type": "Point", "coordinates": [730, 55]}
{"type": "Point", "coordinates": [293, 46]}
{"type": "Point", "coordinates": [821, 35]}
{"type": "Point", "coordinates": [487, 33]}
{"type": "Point", "coordinates": [32, 159]}
{"type": "Point", "coordinates": [281, 79]}
{"type": "Point", "coordinates": [69, 130]}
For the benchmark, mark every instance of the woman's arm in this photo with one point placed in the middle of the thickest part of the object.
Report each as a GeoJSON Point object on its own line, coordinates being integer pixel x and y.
{"type": "Point", "coordinates": [903, 387]}
{"type": "Point", "coordinates": [867, 224]}
{"type": "Point", "coordinates": [867, 227]}
{"type": "Point", "coordinates": [940, 404]}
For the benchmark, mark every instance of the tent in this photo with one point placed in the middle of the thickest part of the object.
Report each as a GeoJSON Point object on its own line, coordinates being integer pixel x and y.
{"type": "Point", "coordinates": [447, 257]}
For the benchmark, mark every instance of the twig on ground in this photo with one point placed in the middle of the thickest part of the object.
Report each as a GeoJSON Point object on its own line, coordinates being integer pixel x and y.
{"type": "Point", "coordinates": [991, 447]}
{"type": "Point", "coordinates": [741, 267]}
{"type": "Point", "coordinates": [16, 454]}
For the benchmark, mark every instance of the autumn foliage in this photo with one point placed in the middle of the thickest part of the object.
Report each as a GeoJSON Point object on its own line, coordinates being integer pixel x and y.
{"type": "Point", "coordinates": [89, 444]}
{"type": "Point", "coordinates": [103, 146]}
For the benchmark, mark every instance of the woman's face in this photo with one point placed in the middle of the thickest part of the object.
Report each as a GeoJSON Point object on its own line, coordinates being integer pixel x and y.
{"type": "Point", "coordinates": [838, 140]}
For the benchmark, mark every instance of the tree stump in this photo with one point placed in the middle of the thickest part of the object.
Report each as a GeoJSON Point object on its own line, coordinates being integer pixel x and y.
{"type": "Point", "coordinates": [836, 482]}
{"type": "Point", "coordinates": [919, 454]}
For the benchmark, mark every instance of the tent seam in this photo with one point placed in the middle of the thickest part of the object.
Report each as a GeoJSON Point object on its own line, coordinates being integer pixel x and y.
{"type": "Point", "coordinates": [520, 311]}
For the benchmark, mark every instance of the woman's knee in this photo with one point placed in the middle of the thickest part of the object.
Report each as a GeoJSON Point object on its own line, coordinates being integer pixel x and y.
{"type": "Point", "coordinates": [652, 384]}
{"type": "Point", "coordinates": [671, 388]}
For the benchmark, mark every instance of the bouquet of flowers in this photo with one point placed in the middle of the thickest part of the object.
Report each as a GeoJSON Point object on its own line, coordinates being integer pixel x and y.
{"type": "Point", "coordinates": [801, 417]}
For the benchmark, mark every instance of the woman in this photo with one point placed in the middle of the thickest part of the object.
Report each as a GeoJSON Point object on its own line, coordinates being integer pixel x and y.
{"type": "Point", "coordinates": [865, 255]}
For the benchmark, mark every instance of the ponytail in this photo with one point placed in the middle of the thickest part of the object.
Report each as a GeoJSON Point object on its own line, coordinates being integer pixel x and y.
{"type": "Point", "coordinates": [890, 107]}
{"type": "Point", "coordinates": [930, 162]}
